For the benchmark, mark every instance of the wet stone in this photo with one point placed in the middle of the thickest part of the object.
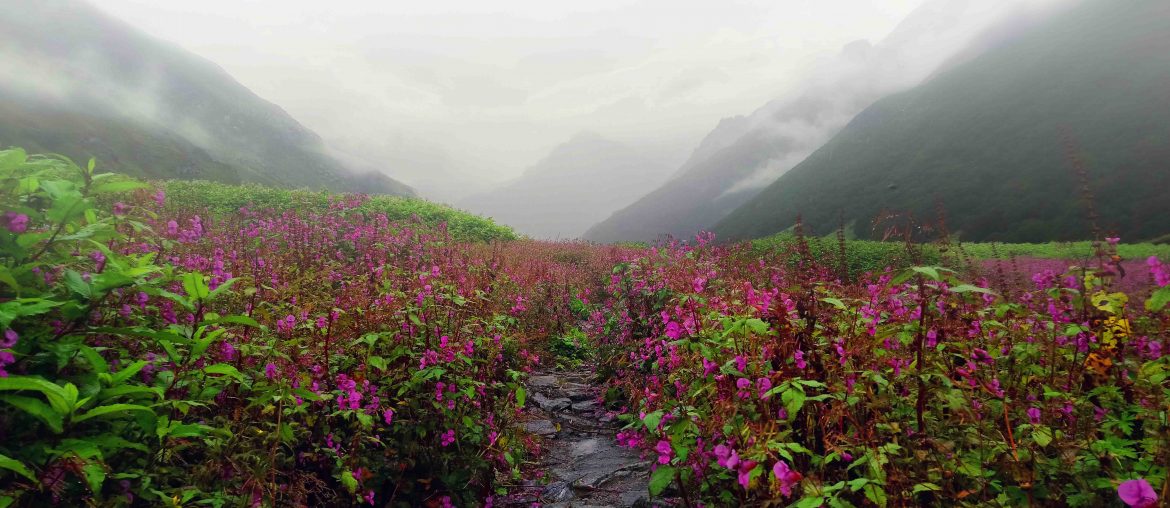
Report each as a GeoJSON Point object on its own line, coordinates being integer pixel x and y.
{"type": "Point", "coordinates": [541, 427]}
{"type": "Point", "coordinates": [552, 405]}
{"type": "Point", "coordinates": [583, 406]}
{"type": "Point", "coordinates": [542, 381]}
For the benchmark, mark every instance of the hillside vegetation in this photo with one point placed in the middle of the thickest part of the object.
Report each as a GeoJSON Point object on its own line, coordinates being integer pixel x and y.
{"type": "Point", "coordinates": [1003, 141]}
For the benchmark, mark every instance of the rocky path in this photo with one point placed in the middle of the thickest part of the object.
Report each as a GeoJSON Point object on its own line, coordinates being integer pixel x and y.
{"type": "Point", "coordinates": [585, 465]}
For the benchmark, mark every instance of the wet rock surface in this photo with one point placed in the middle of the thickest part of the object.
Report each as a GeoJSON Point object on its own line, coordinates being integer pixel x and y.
{"type": "Point", "coordinates": [584, 464]}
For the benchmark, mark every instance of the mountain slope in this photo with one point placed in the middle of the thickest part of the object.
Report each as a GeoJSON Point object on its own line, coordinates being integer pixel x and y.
{"type": "Point", "coordinates": [82, 83]}
{"type": "Point", "coordinates": [743, 154]}
{"type": "Point", "coordinates": [580, 182]}
{"type": "Point", "coordinates": [987, 139]}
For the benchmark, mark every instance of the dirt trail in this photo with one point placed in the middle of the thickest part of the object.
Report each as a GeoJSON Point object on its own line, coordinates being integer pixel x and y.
{"type": "Point", "coordinates": [586, 467]}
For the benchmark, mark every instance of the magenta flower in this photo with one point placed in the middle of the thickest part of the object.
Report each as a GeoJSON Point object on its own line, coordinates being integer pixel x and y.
{"type": "Point", "coordinates": [745, 473]}
{"type": "Point", "coordinates": [1033, 415]}
{"type": "Point", "coordinates": [270, 371]}
{"type": "Point", "coordinates": [10, 339]}
{"type": "Point", "coordinates": [15, 222]}
{"type": "Point", "coordinates": [672, 330]}
{"type": "Point", "coordinates": [664, 451]}
{"type": "Point", "coordinates": [1137, 493]}
{"type": "Point", "coordinates": [388, 416]}
{"type": "Point", "coordinates": [448, 437]}
{"type": "Point", "coordinates": [785, 477]}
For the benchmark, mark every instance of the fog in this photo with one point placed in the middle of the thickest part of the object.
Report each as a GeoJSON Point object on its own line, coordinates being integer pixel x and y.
{"type": "Point", "coordinates": [454, 96]}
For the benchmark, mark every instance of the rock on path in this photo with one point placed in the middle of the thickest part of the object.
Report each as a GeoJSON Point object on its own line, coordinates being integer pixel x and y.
{"type": "Point", "coordinates": [586, 467]}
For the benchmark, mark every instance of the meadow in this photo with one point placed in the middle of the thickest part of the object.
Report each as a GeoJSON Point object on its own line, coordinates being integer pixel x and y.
{"type": "Point", "coordinates": [199, 344]}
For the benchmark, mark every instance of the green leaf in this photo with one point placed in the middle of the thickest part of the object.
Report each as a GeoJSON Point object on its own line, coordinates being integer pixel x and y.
{"type": "Point", "coordinates": [968, 288]}
{"type": "Point", "coordinates": [793, 399]}
{"type": "Point", "coordinates": [223, 369]}
{"type": "Point", "coordinates": [926, 487]}
{"type": "Point", "coordinates": [37, 409]}
{"type": "Point", "coordinates": [1158, 300]}
{"type": "Point", "coordinates": [95, 360]}
{"type": "Point", "coordinates": [122, 375]}
{"type": "Point", "coordinates": [112, 408]}
{"type": "Point", "coordinates": [54, 393]}
{"type": "Point", "coordinates": [652, 420]}
{"type": "Point", "coordinates": [521, 396]}
{"type": "Point", "coordinates": [195, 284]}
{"type": "Point", "coordinates": [95, 475]}
{"type": "Point", "coordinates": [876, 494]}
{"type": "Point", "coordinates": [835, 302]}
{"type": "Point", "coordinates": [660, 479]}
{"type": "Point", "coordinates": [17, 467]}
{"type": "Point", "coordinates": [348, 480]}
{"type": "Point", "coordinates": [1042, 435]}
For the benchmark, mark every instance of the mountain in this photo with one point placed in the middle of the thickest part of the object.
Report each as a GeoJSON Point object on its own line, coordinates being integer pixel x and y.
{"type": "Point", "coordinates": [997, 140]}
{"type": "Point", "coordinates": [745, 153]}
{"type": "Point", "coordinates": [577, 184]}
{"type": "Point", "coordinates": [79, 82]}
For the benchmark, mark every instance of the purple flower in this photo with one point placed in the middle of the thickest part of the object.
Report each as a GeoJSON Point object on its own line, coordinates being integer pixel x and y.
{"type": "Point", "coordinates": [388, 416]}
{"type": "Point", "coordinates": [119, 209]}
{"type": "Point", "coordinates": [672, 330]}
{"type": "Point", "coordinates": [369, 497]}
{"type": "Point", "coordinates": [785, 477]}
{"type": "Point", "coordinates": [664, 451]}
{"type": "Point", "coordinates": [745, 473]}
{"type": "Point", "coordinates": [448, 437]}
{"type": "Point", "coordinates": [160, 197]}
{"type": "Point", "coordinates": [16, 222]}
{"type": "Point", "coordinates": [10, 338]}
{"type": "Point", "coordinates": [6, 359]}
{"type": "Point", "coordinates": [270, 371]}
{"type": "Point", "coordinates": [1137, 493]}
{"type": "Point", "coordinates": [1034, 415]}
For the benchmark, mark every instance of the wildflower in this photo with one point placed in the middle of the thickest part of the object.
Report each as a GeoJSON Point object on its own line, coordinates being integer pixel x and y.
{"type": "Point", "coordinates": [448, 437]}
{"type": "Point", "coordinates": [672, 330]}
{"type": "Point", "coordinates": [119, 209]}
{"type": "Point", "coordinates": [160, 197]}
{"type": "Point", "coordinates": [10, 338]}
{"type": "Point", "coordinates": [1137, 493]}
{"type": "Point", "coordinates": [785, 477]}
{"type": "Point", "coordinates": [270, 371]}
{"type": "Point", "coordinates": [15, 222]}
{"type": "Point", "coordinates": [1034, 416]}
{"type": "Point", "coordinates": [388, 416]}
{"type": "Point", "coordinates": [369, 497]}
{"type": "Point", "coordinates": [6, 359]}
{"type": "Point", "coordinates": [743, 384]}
{"type": "Point", "coordinates": [745, 473]}
{"type": "Point", "coordinates": [763, 384]}
{"type": "Point", "coordinates": [664, 451]}
{"type": "Point", "coordinates": [798, 359]}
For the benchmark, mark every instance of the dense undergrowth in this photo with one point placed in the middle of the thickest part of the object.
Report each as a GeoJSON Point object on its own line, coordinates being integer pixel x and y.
{"type": "Point", "coordinates": [192, 344]}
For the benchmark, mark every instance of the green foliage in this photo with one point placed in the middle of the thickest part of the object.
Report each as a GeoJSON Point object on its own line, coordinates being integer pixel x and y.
{"type": "Point", "coordinates": [999, 142]}
{"type": "Point", "coordinates": [223, 200]}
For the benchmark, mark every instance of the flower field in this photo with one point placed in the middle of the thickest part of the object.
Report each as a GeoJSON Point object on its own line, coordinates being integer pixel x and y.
{"type": "Point", "coordinates": [181, 344]}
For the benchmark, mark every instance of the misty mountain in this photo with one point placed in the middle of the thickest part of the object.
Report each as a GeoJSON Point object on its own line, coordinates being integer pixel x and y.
{"type": "Point", "coordinates": [745, 153]}
{"type": "Point", "coordinates": [577, 184]}
{"type": "Point", "coordinates": [995, 140]}
{"type": "Point", "coordinates": [79, 82]}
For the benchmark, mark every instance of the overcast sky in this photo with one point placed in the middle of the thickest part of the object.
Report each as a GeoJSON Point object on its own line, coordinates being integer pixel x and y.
{"type": "Point", "coordinates": [488, 87]}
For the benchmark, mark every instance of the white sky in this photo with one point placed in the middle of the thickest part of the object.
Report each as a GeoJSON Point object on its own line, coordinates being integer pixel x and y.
{"type": "Point", "coordinates": [488, 87]}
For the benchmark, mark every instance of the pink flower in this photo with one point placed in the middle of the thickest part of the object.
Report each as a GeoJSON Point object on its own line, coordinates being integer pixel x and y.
{"type": "Point", "coordinates": [1033, 415]}
{"type": "Point", "coordinates": [160, 197]}
{"type": "Point", "coordinates": [388, 416]}
{"type": "Point", "coordinates": [1137, 493]}
{"type": "Point", "coordinates": [270, 371]}
{"type": "Point", "coordinates": [10, 339]}
{"type": "Point", "coordinates": [672, 330]}
{"type": "Point", "coordinates": [15, 222]}
{"type": "Point", "coordinates": [448, 437]}
{"type": "Point", "coordinates": [745, 473]}
{"type": "Point", "coordinates": [785, 477]}
{"type": "Point", "coordinates": [664, 451]}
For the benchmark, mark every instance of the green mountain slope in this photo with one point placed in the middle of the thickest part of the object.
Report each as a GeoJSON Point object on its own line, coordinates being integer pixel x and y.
{"type": "Point", "coordinates": [79, 82]}
{"type": "Point", "coordinates": [986, 139]}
